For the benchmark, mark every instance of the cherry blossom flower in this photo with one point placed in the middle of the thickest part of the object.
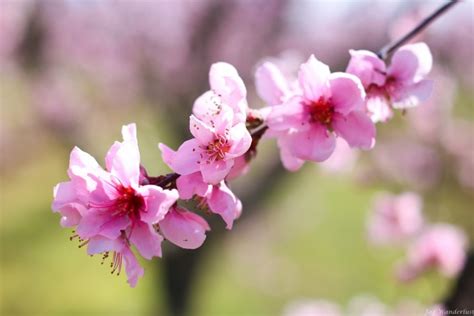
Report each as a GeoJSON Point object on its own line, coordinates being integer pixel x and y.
{"type": "Point", "coordinates": [111, 203]}
{"type": "Point", "coordinates": [183, 228]}
{"type": "Point", "coordinates": [219, 198]}
{"type": "Point", "coordinates": [329, 105]}
{"type": "Point", "coordinates": [401, 85]}
{"type": "Point", "coordinates": [227, 89]}
{"type": "Point", "coordinates": [213, 149]}
{"type": "Point", "coordinates": [395, 217]}
{"type": "Point", "coordinates": [440, 246]}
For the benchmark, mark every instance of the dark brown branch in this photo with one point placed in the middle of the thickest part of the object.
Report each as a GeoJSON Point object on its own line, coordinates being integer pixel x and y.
{"type": "Point", "coordinates": [391, 47]}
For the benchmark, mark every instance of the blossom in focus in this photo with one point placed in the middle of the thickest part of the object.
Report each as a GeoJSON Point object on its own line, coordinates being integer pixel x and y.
{"type": "Point", "coordinates": [112, 203]}
{"type": "Point", "coordinates": [440, 246]}
{"type": "Point", "coordinates": [219, 198]}
{"type": "Point", "coordinates": [324, 106]}
{"type": "Point", "coordinates": [183, 228]}
{"type": "Point", "coordinates": [401, 85]}
{"type": "Point", "coordinates": [395, 217]}
{"type": "Point", "coordinates": [212, 151]}
{"type": "Point", "coordinates": [227, 89]}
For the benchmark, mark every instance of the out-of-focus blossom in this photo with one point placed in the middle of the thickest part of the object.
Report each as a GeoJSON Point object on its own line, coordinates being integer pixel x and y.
{"type": "Point", "coordinates": [219, 198]}
{"type": "Point", "coordinates": [212, 151]}
{"type": "Point", "coordinates": [401, 85]}
{"type": "Point", "coordinates": [416, 164]}
{"type": "Point", "coordinates": [312, 308]}
{"type": "Point", "coordinates": [395, 217]}
{"type": "Point", "coordinates": [113, 204]}
{"type": "Point", "coordinates": [183, 228]}
{"type": "Point", "coordinates": [366, 305]}
{"type": "Point", "coordinates": [441, 247]}
{"type": "Point", "coordinates": [342, 160]}
{"type": "Point", "coordinates": [329, 105]}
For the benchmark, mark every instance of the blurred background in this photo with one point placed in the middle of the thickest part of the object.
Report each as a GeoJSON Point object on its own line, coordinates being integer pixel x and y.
{"type": "Point", "coordinates": [73, 71]}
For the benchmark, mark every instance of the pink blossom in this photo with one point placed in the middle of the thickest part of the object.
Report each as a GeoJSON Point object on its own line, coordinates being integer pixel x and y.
{"type": "Point", "coordinates": [227, 89]}
{"type": "Point", "coordinates": [213, 149]}
{"type": "Point", "coordinates": [183, 228]}
{"type": "Point", "coordinates": [395, 218]}
{"type": "Point", "coordinates": [342, 160]}
{"type": "Point", "coordinates": [219, 198]}
{"type": "Point", "coordinates": [325, 106]}
{"type": "Point", "coordinates": [401, 85]}
{"type": "Point", "coordinates": [440, 246]}
{"type": "Point", "coordinates": [111, 203]}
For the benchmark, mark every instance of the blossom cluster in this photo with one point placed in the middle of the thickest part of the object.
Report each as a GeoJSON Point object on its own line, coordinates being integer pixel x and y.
{"type": "Point", "coordinates": [121, 208]}
{"type": "Point", "coordinates": [398, 219]}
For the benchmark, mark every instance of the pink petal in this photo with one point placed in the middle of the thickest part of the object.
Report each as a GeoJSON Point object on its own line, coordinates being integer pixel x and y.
{"type": "Point", "coordinates": [313, 76]}
{"type": "Point", "coordinates": [64, 193]}
{"type": "Point", "coordinates": [411, 62]}
{"type": "Point", "coordinates": [146, 240]}
{"type": "Point", "coordinates": [413, 95]}
{"type": "Point", "coordinates": [191, 184]}
{"type": "Point", "coordinates": [367, 66]}
{"type": "Point", "coordinates": [167, 154]}
{"type": "Point", "coordinates": [240, 167]}
{"type": "Point", "coordinates": [271, 84]}
{"type": "Point", "coordinates": [157, 202]}
{"type": "Point", "coordinates": [356, 128]}
{"type": "Point", "coordinates": [200, 130]}
{"type": "Point", "coordinates": [82, 159]}
{"type": "Point", "coordinates": [125, 163]}
{"type": "Point", "coordinates": [347, 92]}
{"type": "Point", "coordinates": [287, 115]}
{"type": "Point", "coordinates": [240, 139]}
{"type": "Point", "coordinates": [186, 159]}
{"type": "Point", "coordinates": [101, 244]}
{"type": "Point", "coordinates": [316, 144]}
{"type": "Point", "coordinates": [378, 108]}
{"type": "Point", "coordinates": [225, 81]}
{"type": "Point", "coordinates": [101, 222]}
{"type": "Point", "coordinates": [132, 267]}
{"type": "Point", "coordinates": [223, 202]}
{"type": "Point", "coordinates": [289, 161]}
{"type": "Point", "coordinates": [214, 172]}
{"type": "Point", "coordinates": [129, 133]}
{"type": "Point", "coordinates": [207, 106]}
{"type": "Point", "coordinates": [184, 229]}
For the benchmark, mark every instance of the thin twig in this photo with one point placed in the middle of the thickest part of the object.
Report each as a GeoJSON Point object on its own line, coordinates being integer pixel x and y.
{"type": "Point", "coordinates": [391, 47]}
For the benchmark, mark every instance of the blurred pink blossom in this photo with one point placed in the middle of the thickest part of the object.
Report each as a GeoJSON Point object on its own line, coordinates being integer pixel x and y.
{"type": "Point", "coordinates": [312, 308]}
{"type": "Point", "coordinates": [440, 246]}
{"type": "Point", "coordinates": [395, 217]}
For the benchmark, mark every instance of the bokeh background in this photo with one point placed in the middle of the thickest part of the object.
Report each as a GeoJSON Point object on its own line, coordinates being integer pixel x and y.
{"type": "Point", "coordinates": [74, 71]}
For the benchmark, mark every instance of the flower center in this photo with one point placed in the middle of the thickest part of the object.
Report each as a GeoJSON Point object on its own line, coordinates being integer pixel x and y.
{"type": "Point", "coordinates": [217, 149]}
{"type": "Point", "coordinates": [321, 111]}
{"type": "Point", "coordinates": [128, 202]}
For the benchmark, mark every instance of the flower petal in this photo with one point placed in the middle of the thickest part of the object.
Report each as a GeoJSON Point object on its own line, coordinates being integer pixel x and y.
{"type": "Point", "coordinates": [287, 115]}
{"type": "Point", "coordinates": [367, 66]}
{"type": "Point", "coordinates": [347, 92]}
{"type": "Point", "coordinates": [186, 159]}
{"type": "Point", "coordinates": [222, 201]}
{"type": "Point", "coordinates": [356, 128]}
{"type": "Point", "coordinates": [316, 144]}
{"type": "Point", "coordinates": [271, 84]}
{"type": "Point", "coordinates": [290, 162]}
{"type": "Point", "coordinates": [240, 139]}
{"type": "Point", "coordinates": [157, 202]}
{"type": "Point", "coordinates": [200, 130]}
{"type": "Point", "coordinates": [412, 95]}
{"type": "Point", "coordinates": [411, 62]}
{"type": "Point", "coordinates": [184, 229]}
{"type": "Point", "coordinates": [225, 81]}
{"type": "Point", "coordinates": [214, 172]}
{"type": "Point", "coordinates": [146, 239]}
{"type": "Point", "coordinates": [313, 76]}
{"type": "Point", "coordinates": [191, 184]}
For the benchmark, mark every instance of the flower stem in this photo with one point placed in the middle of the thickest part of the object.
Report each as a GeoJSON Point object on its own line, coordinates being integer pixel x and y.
{"type": "Point", "coordinates": [391, 47]}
